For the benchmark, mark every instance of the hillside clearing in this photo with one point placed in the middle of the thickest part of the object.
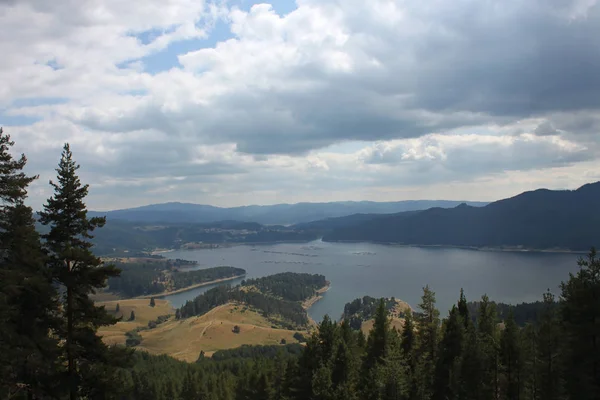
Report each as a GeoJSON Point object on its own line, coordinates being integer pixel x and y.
{"type": "Point", "coordinates": [115, 334]}
{"type": "Point", "coordinates": [185, 339]}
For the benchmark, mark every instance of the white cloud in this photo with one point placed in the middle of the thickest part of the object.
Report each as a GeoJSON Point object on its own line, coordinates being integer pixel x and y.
{"type": "Point", "coordinates": [427, 92]}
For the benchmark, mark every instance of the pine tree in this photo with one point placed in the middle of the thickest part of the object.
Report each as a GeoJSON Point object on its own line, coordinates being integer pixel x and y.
{"type": "Point", "coordinates": [378, 341]}
{"type": "Point", "coordinates": [488, 342]}
{"type": "Point", "coordinates": [471, 367]}
{"type": "Point", "coordinates": [396, 384]}
{"type": "Point", "coordinates": [448, 361]}
{"type": "Point", "coordinates": [152, 302]}
{"type": "Point", "coordinates": [117, 308]}
{"type": "Point", "coordinates": [549, 343]}
{"type": "Point", "coordinates": [79, 273]}
{"type": "Point", "coordinates": [427, 338]}
{"type": "Point", "coordinates": [463, 309]}
{"type": "Point", "coordinates": [28, 301]}
{"type": "Point", "coordinates": [530, 362]}
{"type": "Point", "coordinates": [345, 367]}
{"type": "Point", "coordinates": [132, 316]}
{"type": "Point", "coordinates": [407, 349]}
{"type": "Point", "coordinates": [377, 350]}
{"type": "Point", "coordinates": [581, 320]}
{"type": "Point", "coordinates": [511, 358]}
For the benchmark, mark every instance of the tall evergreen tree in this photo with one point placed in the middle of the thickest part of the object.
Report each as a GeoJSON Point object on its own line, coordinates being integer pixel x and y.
{"type": "Point", "coordinates": [408, 349]}
{"type": "Point", "coordinates": [581, 326]}
{"type": "Point", "coordinates": [378, 342]}
{"type": "Point", "coordinates": [463, 309]}
{"type": "Point", "coordinates": [549, 343]}
{"type": "Point", "coordinates": [427, 338]}
{"type": "Point", "coordinates": [511, 359]}
{"type": "Point", "coordinates": [471, 367]}
{"type": "Point", "coordinates": [28, 301]}
{"type": "Point", "coordinates": [380, 379]}
{"type": "Point", "coordinates": [530, 362]}
{"type": "Point", "coordinates": [79, 273]}
{"type": "Point", "coordinates": [487, 330]}
{"type": "Point", "coordinates": [449, 356]}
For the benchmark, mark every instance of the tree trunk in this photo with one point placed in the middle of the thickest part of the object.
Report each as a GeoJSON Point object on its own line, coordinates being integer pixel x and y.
{"type": "Point", "coordinates": [70, 360]}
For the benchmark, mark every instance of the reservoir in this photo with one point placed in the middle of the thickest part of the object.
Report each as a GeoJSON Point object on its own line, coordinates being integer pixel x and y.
{"type": "Point", "coordinates": [359, 269]}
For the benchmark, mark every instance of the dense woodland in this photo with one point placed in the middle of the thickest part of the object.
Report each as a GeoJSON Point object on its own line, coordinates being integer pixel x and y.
{"type": "Point", "coordinates": [119, 235]}
{"type": "Point", "coordinates": [152, 277]}
{"type": "Point", "coordinates": [289, 285]}
{"type": "Point", "coordinates": [281, 312]}
{"type": "Point", "coordinates": [365, 308]}
{"type": "Point", "coordinates": [49, 347]}
{"type": "Point", "coordinates": [188, 278]}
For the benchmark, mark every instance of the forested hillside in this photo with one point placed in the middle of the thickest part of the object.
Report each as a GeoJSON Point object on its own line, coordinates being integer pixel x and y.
{"type": "Point", "coordinates": [462, 356]}
{"type": "Point", "coordinates": [147, 277]}
{"type": "Point", "coordinates": [119, 236]}
{"type": "Point", "coordinates": [288, 285]}
{"type": "Point", "coordinates": [278, 297]}
{"type": "Point", "coordinates": [541, 219]}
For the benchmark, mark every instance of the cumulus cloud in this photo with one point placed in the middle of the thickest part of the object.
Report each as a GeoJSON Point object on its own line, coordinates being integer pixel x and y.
{"type": "Point", "coordinates": [350, 97]}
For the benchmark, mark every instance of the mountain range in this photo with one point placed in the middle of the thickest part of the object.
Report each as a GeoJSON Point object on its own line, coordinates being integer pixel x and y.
{"type": "Point", "coordinates": [278, 214]}
{"type": "Point", "coordinates": [540, 219]}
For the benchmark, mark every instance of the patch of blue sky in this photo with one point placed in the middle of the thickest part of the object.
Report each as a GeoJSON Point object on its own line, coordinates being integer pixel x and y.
{"type": "Point", "coordinates": [281, 7]}
{"type": "Point", "coordinates": [37, 101]}
{"type": "Point", "coordinates": [9, 116]}
{"type": "Point", "coordinates": [54, 64]}
{"type": "Point", "coordinates": [17, 120]}
{"type": "Point", "coordinates": [137, 92]}
{"type": "Point", "coordinates": [147, 37]}
{"type": "Point", "coordinates": [166, 59]}
{"type": "Point", "coordinates": [345, 147]}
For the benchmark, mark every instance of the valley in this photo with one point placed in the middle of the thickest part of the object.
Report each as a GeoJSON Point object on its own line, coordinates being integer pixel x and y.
{"type": "Point", "coordinates": [265, 311]}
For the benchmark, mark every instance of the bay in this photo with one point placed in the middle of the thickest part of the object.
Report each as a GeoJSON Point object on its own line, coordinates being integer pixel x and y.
{"type": "Point", "coordinates": [359, 269]}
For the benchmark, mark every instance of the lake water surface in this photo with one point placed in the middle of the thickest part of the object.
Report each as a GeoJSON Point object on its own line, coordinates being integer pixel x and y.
{"type": "Point", "coordinates": [359, 269]}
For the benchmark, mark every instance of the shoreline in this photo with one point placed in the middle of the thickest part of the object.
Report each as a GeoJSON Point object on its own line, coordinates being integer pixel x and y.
{"type": "Point", "coordinates": [187, 288]}
{"type": "Point", "coordinates": [474, 248]}
{"type": "Point", "coordinates": [308, 303]}
{"type": "Point", "coordinates": [231, 244]}
{"type": "Point", "coordinates": [391, 244]}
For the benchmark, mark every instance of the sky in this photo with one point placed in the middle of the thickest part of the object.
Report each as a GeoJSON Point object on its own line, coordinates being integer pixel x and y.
{"type": "Point", "coordinates": [239, 102]}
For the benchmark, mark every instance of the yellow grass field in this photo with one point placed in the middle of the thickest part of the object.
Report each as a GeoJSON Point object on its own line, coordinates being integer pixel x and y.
{"type": "Point", "coordinates": [102, 296]}
{"type": "Point", "coordinates": [185, 339]}
{"type": "Point", "coordinates": [366, 326]}
{"type": "Point", "coordinates": [115, 334]}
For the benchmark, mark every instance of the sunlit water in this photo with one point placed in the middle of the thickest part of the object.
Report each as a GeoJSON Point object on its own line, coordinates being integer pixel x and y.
{"type": "Point", "coordinates": [356, 270]}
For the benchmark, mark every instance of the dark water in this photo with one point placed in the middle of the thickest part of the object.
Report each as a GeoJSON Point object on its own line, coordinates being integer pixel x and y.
{"type": "Point", "coordinates": [356, 270]}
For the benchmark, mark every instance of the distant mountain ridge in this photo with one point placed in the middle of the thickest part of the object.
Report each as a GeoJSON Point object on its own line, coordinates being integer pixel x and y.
{"type": "Point", "coordinates": [278, 214]}
{"type": "Point", "coordinates": [539, 219]}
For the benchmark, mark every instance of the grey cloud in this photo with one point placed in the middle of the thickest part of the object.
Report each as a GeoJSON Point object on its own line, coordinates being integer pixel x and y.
{"type": "Point", "coordinates": [477, 159]}
{"type": "Point", "coordinates": [546, 129]}
{"type": "Point", "coordinates": [476, 65]}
